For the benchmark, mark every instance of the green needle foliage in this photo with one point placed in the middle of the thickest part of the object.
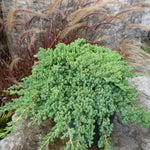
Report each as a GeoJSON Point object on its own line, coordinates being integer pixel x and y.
{"type": "Point", "coordinates": [4, 119]}
{"type": "Point", "coordinates": [80, 84]}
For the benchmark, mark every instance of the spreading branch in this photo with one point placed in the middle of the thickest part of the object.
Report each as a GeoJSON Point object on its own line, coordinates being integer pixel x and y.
{"type": "Point", "coordinates": [69, 136]}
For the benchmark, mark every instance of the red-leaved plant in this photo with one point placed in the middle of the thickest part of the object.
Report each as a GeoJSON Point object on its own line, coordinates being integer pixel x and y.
{"type": "Point", "coordinates": [61, 23]}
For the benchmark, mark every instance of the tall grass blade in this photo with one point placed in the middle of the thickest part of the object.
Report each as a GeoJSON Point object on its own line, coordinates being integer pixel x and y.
{"type": "Point", "coordinates": [129, 10]}
{"type": "Point", "coordinates": [111, 2]}
{"type": "Point", "coordinates": [81, 13]}
{"type": "Point", "coordinates": [103, 38]}
{"type": "Point", "coordinates": [27, 4]}
{"type": "Point", "coordinates": [67, 30]}
{"type": "Point", "coordinates": [15, 61]}
{"type": "Point", "coordinates": [138, 26]}
{"type": "Point", "coordinates": [10, 18]}
{"type": "Point", "coordinates": [30, 12]}
{"type": "Point", "coordinates": [53, 6]}
{"type": "Point", "coordinates": [141, 3]}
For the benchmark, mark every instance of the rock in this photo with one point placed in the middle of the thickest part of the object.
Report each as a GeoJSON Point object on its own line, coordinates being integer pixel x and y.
{"type": "Point", "coordinates": [135, 17]}
{"type": "Point", "coordinates": [13, 142]}
{"type": "Point", "coordinates": [121, 32]}
{"type": "Point", "coordinates": [4, 51]}
{"type": "Point", "coordinates": [14, 36]}
{"type": "Point", "coordinates": [131, 136]}
{"type": "Point", "coordinates": [142, 85]}
{"type": "Point", "coordinates": [124, 137]}
{"type": "Point", "coordinates": [30, 138]}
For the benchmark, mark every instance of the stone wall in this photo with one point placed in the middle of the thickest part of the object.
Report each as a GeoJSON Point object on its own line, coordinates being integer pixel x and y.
{"type": "Point", "coordinates": [30, 138]}
{"type": "Point", "coordinates": [13, 37]}
{"type": "Point", "coordinates": [33, 5]}
{"type": "Point", "coordinates": [4, 51]}
{"type": "Point", "coordinates": [141, 17]}
{"type": "Point", "coordinates": [124, 137]}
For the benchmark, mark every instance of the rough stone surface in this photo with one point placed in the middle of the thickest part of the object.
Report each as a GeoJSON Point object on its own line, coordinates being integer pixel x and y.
{"type": "Point", "coordinates": [124, 137]}
{"type": "Point", "coordinates": [137, 17]}
{"type": "Point", "coordinates": [142, 85]}
{"type": "Point", "coordinates": [131, 136]}
{"type": "Point", "coordinates": [14, 36]}
{"type": "Point", "coordinates": [35, 6]}
{"type": "Point", "coordinates": [30, 138]}
{"type": "Point", "coordinates": [142, 18]}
